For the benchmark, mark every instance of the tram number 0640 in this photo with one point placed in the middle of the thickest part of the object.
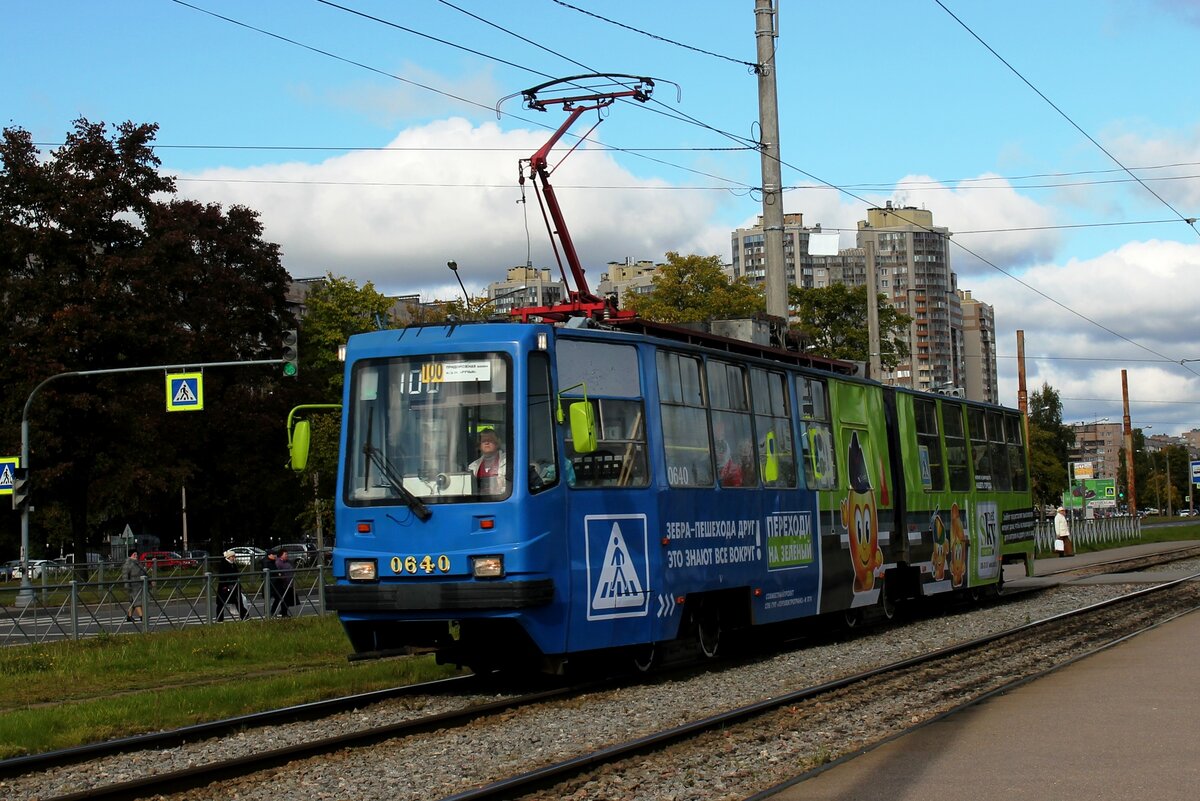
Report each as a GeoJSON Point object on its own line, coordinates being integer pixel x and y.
{"type": "Point", "coordinates": [426, 564]}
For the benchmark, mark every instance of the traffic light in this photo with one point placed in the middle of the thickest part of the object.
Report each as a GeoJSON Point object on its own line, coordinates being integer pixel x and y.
{"type": "Point", "coordinates": [291, 353]}
{"type": "Point", "coordinates": [20, 489]}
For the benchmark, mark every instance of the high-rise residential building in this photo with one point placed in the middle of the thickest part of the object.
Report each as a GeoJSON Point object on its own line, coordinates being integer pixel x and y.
{"type": "Point", "coordinates": [912, 267]}
{"type": "Point", "coordinates": [1100, 443]}
{"type": "Point", "coordinates": [803, 268]}
{"type": "Point", "coordinates": [524, 286]}
{"type": "Point", "coordinates": [979, 348]}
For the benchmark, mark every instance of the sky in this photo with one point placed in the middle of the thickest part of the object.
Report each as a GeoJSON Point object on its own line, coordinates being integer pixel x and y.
{"type": "Point", "coordinates": [1059, 142]}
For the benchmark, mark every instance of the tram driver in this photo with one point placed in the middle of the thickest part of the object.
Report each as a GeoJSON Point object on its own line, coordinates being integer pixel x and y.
{"type": "Point", "coordinates": [490, 468]}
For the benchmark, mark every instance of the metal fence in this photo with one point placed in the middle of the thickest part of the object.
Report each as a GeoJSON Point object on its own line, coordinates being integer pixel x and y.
{"type": "Point", "coordinates": [92, 600]}
{"type": "Point", "coordinates": [1098, 531]}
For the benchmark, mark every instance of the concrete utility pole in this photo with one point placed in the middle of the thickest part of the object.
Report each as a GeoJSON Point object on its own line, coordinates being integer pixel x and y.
{"type": "Point", "coordinates": [765, 32]}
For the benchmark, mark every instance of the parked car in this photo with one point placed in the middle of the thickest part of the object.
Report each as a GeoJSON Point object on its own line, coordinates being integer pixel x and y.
{"type": "Point", "coordinates": [166, 560]}
{"type": "Point", "coordinates": [300, 554]}
{"type": "Point", "coordinates": [7, 570]}
{"type": "Point", "coordinates": [248, 555]}
{"type": "Point", "coordinates": [200, 556]}
{"type": "Point", "coordinates": [36, 568]}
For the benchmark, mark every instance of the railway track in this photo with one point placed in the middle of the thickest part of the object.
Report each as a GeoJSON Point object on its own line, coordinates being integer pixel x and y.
{"type": "Point", "coordinates": [595, 761]}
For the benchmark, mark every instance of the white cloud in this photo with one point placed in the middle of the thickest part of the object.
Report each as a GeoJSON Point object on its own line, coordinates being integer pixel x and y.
{"type": "Point", "coordinates": [396, 217]}
{"type": "Point", "coordinates": [1144, 291]}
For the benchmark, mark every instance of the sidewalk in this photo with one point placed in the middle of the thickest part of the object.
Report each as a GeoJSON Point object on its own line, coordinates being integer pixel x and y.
{"type": "Point", "coordinates": [1116, 726]}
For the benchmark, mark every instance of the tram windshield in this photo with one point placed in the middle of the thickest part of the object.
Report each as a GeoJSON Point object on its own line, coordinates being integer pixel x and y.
{"type": "Point", "coordinates": [430, 429]}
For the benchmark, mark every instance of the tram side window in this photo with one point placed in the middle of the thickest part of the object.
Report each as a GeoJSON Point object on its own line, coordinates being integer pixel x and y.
{"type": "Point", "coordinates": [684, 423]}
{"type": "Point", "coordinates": [977, 430]}
{"type": "Point", "coordinates": [773, 425]}
{"type": "Point", "coordinates": [816, 434]}
{"type": "Point", "coordinates": [929, 444]}
{"type": "Point", "coordinates": [733, 432]}
{"type": "Point", "coordinates": [543, 466]}
{"type": "Point", "coordinates": [956, 447]}
{"type": "Point", "coordinates": [1001, 477]}
{"type": "Point", "coordinates": [1014, 429]}
{"type": "Point", "coordinates": [609, 374]}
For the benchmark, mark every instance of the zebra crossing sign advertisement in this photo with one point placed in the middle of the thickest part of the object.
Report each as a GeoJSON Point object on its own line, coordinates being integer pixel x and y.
{"type": "Point", "coordinates": [618, 568]}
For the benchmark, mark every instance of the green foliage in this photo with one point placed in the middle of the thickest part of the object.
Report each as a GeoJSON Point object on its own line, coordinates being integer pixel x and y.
{"type": "Point", "coordinates": [833, 320]}
{"type": "Point", "coordinates": [102, 268]}
{"type": "Point", "coordinates": [1049, 444]}
{"type": "Point", "coordinates": [337, 309]}
{"type": "Point", "coordinates": [694, 288]}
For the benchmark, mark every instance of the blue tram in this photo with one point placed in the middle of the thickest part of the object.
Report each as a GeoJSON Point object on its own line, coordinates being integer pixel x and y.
{"type": "Point", "coordinates": [641, 488]}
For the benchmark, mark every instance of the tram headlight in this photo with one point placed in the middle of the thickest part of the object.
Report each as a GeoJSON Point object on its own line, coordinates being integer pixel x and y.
{"type": "Point", "coordinates": [361, 570]}
{"type": "Point", "coordinates": [487, 566]}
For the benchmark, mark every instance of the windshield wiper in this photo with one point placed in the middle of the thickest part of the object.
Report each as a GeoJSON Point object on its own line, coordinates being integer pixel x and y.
{"type": "Point", "coordinates": [396, 481]}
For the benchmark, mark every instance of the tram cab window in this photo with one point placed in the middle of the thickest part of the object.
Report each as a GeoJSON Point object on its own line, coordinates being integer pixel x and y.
{"type": "Point", "coordinates": [610, 376]}
{"type": "Point", "coordinates": [684, 420]}
{"type": "Point", "coordinates": [981, 456]}
{"type": "Point", "coordinates": [956, 447]}
{"type": "Point", "coordinates": [773, 428]}
{"type": "Point", "coordinates": [733, 431]}
{"type": "Point", "coordinates": [816, 434]}
{"type": "Point", "coordinates": [414, 425]}
{"type": "Point", "coordinates": [929, 444]}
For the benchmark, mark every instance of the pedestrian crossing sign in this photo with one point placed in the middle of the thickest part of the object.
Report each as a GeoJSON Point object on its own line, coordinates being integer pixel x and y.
{"type": "Point", "coordinates": [185, 392]}
{"type": "Point", "coordinates": [8, 469]}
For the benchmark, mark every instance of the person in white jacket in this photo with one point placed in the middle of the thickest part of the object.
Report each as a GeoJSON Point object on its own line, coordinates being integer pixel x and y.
{"type": "Point", "coordinates": [1062, 533]}
{"type": "Point", "coordinates": [491, 467]}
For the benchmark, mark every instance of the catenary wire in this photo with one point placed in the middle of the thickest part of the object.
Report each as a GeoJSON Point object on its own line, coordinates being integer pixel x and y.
{"type": "Point", "coordinates": [1191, 221]}
{"type": "Point", "coordinates": [733, 183]}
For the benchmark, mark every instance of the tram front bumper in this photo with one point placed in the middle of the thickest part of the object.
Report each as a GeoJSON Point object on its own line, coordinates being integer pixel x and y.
{"type": "Point", "coordinates": [440, 596]}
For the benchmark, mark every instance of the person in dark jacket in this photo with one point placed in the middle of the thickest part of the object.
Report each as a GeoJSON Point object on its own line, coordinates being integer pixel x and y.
{"type": "Point", "coordinates": [132, 573]}
{"type": "Point", "coordinates": [229, 589]}
{"type": "Point", "coordinates": [283, 590]}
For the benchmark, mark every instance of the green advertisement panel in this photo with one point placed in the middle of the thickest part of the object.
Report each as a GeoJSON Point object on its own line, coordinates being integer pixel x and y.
{"type": "Point", "coordinates": [1096, 492]}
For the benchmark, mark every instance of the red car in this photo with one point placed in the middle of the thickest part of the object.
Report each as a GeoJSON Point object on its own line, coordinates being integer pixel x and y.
{"type": "Point", "coordinates": [166, 560]}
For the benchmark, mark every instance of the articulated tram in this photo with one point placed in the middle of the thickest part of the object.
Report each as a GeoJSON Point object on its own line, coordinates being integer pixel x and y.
{"type": "Point", "coordinates": [579, 482]}
{"type": "Point", "coordinates": [648, 488]}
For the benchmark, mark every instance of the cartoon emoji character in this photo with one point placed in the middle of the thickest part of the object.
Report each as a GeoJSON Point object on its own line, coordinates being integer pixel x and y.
{"type": "Point", "coordinates": [958, 548]}
{"type": "Point", "coordinates": [860, 518]}
{"type": "Point", "coordinates": [941, 547]}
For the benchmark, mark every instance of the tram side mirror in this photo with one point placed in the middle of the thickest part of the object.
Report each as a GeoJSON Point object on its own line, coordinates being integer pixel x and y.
{"type": "Point", "coordinates": [771, 468]}
{"type": "Point", "coordinates": [298, 445]}
{"type": "Point", "coordinates": [583, 427]}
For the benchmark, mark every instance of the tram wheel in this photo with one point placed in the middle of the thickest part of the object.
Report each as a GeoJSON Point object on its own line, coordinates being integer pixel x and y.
{"type": "Point", "coordinates": [852, 617]}
{"type": "Point", "coordinates": [645, 658]}
{"type": "Point", "coordinates": [887, 605]}
{"type": "Point", "coordinates": [708, 633]}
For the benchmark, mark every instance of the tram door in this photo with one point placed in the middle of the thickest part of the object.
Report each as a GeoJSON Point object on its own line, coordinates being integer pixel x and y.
{"type": "Point", "coordinates": [608, 497]}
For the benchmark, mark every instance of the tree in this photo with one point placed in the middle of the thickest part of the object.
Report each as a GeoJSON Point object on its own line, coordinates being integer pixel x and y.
{"type": "Point", "coordinates": [1050, 444]}
{"type": "Point", "coordinates": [690, 289]}
{"type": "Point", "coordinates": [833, 320]}
{"type": "Point", "coordinates": [335, 310]}
{"type": "Point", "coordinates": [101, 267]}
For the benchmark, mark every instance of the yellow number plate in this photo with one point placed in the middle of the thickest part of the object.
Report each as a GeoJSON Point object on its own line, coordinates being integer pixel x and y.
{"type": "Point", "coordinates": [420, 565]}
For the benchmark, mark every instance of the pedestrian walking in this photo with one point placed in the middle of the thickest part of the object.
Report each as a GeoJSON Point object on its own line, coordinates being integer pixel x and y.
{"type": "Point", "coordinates": [229, 588]}
{"type": "Point", "coordinates": [1062, 533]}
{"type": "Point", "coordinates": [283, 590]}
{"type": "Point", "coordinates": [132, 573]}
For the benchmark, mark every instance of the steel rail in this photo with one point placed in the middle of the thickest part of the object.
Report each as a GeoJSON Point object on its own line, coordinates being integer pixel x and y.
{"type": "Point", "coordinates": [217, 728]}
